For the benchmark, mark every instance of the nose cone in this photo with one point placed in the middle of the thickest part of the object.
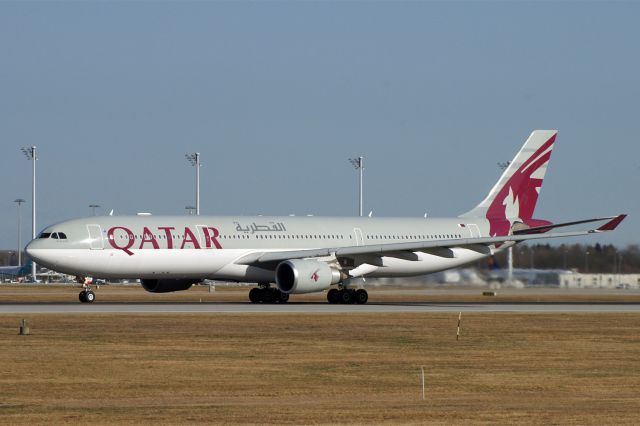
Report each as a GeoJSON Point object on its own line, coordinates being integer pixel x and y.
{"type": "Point", "coordinates": [37, 252]}
{"type": "Point", "coordinates": [30, 248]}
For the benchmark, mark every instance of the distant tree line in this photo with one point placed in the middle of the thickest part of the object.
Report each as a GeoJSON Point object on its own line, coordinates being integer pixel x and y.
{"type": "Point", "coordinates": [582, 258]}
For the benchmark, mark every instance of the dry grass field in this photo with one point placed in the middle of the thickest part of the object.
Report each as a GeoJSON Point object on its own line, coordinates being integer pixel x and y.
{"type": "Point", "coordinates": [321, 368]}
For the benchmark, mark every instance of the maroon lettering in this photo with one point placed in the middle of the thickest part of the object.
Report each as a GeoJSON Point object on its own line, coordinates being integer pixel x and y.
{"type": "Point", "coordinates": [130, 239]}
{"type": "Point", "coordinates": [148, 237]}
{"type": "Point", "coordinates": [210, 237]}
{"type": "Point", "coordinates": [189, 238]}
{"type": "Point", "coordinates": [167, 231]}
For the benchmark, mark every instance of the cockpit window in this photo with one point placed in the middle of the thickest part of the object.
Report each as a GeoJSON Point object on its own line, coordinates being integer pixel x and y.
{"type": "Point", "coordinates": [54, 235]}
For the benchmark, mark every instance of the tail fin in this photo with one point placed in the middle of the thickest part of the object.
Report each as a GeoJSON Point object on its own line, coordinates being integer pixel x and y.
{"type": "Point", "coordinates": [25, 269]}
{"type": "Point", "coordinates": [514, 197]}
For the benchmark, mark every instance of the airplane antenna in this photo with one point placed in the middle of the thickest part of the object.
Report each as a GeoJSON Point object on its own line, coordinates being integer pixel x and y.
{"type": "Point", "coordinates": [371, 213]}
{"type": "Point", "coordinates": [111, 212]}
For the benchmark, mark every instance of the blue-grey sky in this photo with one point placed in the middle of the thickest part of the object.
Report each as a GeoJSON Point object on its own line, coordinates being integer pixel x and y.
{"type": "Point", "coordinates": [277, 95]}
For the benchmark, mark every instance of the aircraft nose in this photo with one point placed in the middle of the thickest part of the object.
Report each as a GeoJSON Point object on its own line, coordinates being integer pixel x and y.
{"type": "Point", "coordinates": [29, 248]}
{"type": "Point", "coordinates": [34, 250]}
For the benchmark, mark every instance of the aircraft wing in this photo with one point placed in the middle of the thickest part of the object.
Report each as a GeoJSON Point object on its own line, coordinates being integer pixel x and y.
{"type": "Point", "coordinates": [405, 250]}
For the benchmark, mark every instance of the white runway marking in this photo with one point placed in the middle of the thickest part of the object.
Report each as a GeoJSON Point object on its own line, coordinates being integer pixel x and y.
{"type": "Point", "coordinates": [311, 308]}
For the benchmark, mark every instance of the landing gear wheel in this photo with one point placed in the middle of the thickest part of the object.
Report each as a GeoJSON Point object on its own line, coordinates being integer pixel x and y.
{"type": "Point", "coordinates": [346, 297]}
{"type": "Point", "coordinates": [82, 296]}
{"type": "Point", "coordinates": [89, 296]}
{"type": "Point", "coordinates": [361, 296]}
{"type": "Point", "coordinates": [333, 296]}
{"type": "Point", "coordinates": [255, 295]}
{"type": "Point", "coordinates": [283, 297]}
{"type": "Point", "coordinates": [268, 296]}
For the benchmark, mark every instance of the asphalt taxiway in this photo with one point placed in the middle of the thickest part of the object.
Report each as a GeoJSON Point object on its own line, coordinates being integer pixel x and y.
{"type": "Point", "coordinates": [312, 308]}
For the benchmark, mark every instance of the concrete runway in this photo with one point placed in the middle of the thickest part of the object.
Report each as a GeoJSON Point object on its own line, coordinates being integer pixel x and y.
{"type": "Point", "coordinates": [311, 308]}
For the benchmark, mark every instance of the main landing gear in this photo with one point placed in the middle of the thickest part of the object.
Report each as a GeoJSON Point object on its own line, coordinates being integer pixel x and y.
{"type": "Point", "coordinates": [266, 294]}
{"type": "Point", "coordinates": [347, 296]}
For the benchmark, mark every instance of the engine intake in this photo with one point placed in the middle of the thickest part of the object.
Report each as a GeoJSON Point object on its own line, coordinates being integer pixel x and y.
{"type": "Point", "coordinates": [166, 285]}
{"type": "Point", "coordinates": [305, 276]}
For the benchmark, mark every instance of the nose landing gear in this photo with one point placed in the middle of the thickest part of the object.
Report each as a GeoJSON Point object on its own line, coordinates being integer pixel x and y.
{"type": "Point", "coordinates": [87, 296]}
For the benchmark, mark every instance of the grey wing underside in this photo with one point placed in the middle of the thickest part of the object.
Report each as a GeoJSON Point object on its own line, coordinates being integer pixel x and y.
{"type": "Point", "coordinates": [406, 251]}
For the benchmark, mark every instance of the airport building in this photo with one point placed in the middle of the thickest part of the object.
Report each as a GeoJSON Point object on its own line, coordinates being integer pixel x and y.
{"type": "Point", "coordinates": [619, 281]}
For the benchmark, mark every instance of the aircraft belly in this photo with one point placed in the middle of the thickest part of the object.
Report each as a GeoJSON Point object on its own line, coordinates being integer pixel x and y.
{"type": "Point", "coordinates": [143, 263]}
{"type": "Point", "coordinates": [427, 263]}
{"type": "Point", "coordinates": [171, 263]}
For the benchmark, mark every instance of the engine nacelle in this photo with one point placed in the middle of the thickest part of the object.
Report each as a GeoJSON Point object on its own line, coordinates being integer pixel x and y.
{"type": "Point", "coordinates": [305, 276]}
{"type": "Point", "coordinates": [166, 285]}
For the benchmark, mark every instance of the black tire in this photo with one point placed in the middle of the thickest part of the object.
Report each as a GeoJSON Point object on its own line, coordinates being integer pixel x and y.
{"type": "Point", "coordinates": [361, 296]}
{"type": "Point", "coordinates": [268, 296]}
{"type": "Point", "coordinates": [255, 295]}
{"type": "Point", "coordinates": [283, 297]}
{"type": "Point", "coordinates": [90, 296]}
{"type": "Point", "coordinates": [346, 296]}
{"type": "Point", "coordinates": [333, 296]}
{"type": "Point", "coordinates": [82, 297]}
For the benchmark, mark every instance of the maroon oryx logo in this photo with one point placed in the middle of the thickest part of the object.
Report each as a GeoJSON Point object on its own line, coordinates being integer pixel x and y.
{"type": "Point", "coordinates": [315, 277]}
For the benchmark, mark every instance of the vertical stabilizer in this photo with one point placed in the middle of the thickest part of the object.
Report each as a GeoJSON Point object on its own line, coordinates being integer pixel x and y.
{"type": "Point", "coordinates": [514, 197]}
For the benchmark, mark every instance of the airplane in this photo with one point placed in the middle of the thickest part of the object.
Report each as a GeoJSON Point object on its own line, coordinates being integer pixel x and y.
{"type": "Point", "coordinates": [305, 254]}
{"type": "Point", "coordinates": [16, 271]}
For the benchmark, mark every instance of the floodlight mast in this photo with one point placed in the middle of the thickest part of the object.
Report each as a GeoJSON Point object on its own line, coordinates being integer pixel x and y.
{"type": "Point", "coordinates": [358, 164]}
{"type": "Point", "coordinates": [30, 153]}
{"type": "Point", "coordinates": [94, 207]}
{"type": "Point", "coordinates": [19, 201]}
{"type": "Point", "coordinates": [503, 166]}
{"type": "Point", "coordinates": [194, 159]}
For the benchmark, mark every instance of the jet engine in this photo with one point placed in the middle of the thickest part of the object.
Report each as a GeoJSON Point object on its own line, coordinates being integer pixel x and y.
{"type": "Point", "coordinates": [305, 276]}
{"type": "Point", "coordinates": [166, 285]}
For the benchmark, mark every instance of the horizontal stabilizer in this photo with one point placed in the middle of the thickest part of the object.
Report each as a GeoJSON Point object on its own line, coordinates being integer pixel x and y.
{"type": "Point", "coordinates": [545, 228]}
{"type": "Point", "coordinates": [612, 224]}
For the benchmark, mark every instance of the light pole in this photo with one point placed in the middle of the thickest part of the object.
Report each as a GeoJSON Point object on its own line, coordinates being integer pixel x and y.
{"type": "Point", "coordinates": [194, 159]}
{"type": "Point", "coordinates": [94, 207]}
{"type": "Point", "coordinates": [586, 261]}
{"type": "Point", "coordinates": [503, 166]}
{"type": "Point", "coordinates": [358, 164]}
{"type": "Point", "coordinates": [531, 253]}
{"type": "Point", "coordinates": [190, 209]}
{"type": "Point", "coordinates": [30, 153]}
{"type": "Point", "coordinates": [19, 201]}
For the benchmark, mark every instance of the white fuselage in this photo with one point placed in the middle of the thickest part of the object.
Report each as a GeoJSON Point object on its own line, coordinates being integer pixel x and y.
{"type": "Point", "coordinates": [202, 247]}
